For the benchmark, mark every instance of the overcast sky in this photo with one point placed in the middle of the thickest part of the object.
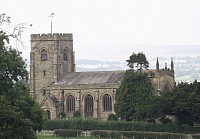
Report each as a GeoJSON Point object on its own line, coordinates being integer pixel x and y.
{"type": "Point", "coordinates": [113, 29]}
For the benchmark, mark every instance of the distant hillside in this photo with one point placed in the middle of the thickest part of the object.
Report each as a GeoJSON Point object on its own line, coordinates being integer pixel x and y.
{"type": "Point", "coordinates": [97, 65]}
{"type": "Point", "coordinates": [187, 69]}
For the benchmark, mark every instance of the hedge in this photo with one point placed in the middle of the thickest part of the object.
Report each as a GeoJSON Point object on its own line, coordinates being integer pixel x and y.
{"type": "Point", "coordinates": [81, 124]}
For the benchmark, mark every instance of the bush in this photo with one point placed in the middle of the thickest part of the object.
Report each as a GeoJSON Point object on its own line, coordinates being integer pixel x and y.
{"type": "Point", "coordinates": [101, 133]}
{"type": "Point", "coordinates": [67, 133]}
{"type": "Point", "coordinates": [152, 121]}
{"type": "Point", "coordinates": [112, 117]}
{"type": "Point", "coordinates": [77, 114]}
{"type": "Point", "coordinates": [165, 121]}
{"type": "Point", "coordinates": [117, 125]}
{"type": "Point", "coordinates": [61, 115]}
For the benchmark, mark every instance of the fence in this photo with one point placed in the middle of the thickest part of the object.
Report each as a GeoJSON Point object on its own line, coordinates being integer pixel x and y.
{"type": "Point", "coordinates": [46, 133]}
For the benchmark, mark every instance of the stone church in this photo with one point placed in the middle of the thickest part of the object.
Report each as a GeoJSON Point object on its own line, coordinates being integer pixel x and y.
{"type": "Point", "coordinates": [57, 87]}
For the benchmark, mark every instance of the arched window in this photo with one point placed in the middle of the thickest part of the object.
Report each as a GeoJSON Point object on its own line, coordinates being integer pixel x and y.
{"type": "Point", "coordinates": [89, 106]}
{"type": "Point", "coordinates": [65, 55]}
{"type": "Point", "coordinates": [167, 88]}
{"type": "Point", "coordinates": [48, 114]}
{"type": "Point", "coordinates": [44, 55]}
{"type": "Point", "coordinates": [70, 103]}
{"type": "Point", "coordinates": [107, 102]}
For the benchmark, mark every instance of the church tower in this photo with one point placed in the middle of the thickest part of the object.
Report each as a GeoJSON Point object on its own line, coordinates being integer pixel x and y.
{"type": "Point", "coordinates": [51, 57]}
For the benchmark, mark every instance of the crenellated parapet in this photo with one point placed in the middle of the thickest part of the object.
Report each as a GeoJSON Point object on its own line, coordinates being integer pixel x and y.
{"type": "Point", "coordinates": [52, 37]}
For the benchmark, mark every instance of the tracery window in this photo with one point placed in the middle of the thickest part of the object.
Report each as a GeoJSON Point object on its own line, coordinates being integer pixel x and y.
{"type": "Point", "coordinates": [70, 103]}
{"type": "Point", "coordinates": [65, 55]}
{"type": "Point", "coordinates": [89, 106]}
{"type": "Point", "coordinates": [44, 55]}
{"type": "Point", "coordinates": [107, 102]}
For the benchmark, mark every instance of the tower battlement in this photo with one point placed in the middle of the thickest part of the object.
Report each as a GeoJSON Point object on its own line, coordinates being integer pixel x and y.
{"type": "Point", "coordinates": [52, 37]}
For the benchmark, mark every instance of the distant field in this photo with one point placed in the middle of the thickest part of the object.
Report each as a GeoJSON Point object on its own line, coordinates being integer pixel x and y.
{"type": "Point", "coordinates": [186, 78]}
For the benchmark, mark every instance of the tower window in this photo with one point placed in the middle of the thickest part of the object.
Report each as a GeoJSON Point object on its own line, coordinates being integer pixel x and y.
{"type": "Point", "coordinates": [44, 55]}
{"type": "Point", "coordinates": [43, 92]}
{"type": "Point", "coordinates": [65, 55]}
{"type": "Point", "coordinates": [44, 72]}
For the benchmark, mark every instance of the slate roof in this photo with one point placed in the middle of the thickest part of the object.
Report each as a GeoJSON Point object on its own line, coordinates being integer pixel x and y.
{"type": "Point", "coordinates": [97, 77]}
{"type": "Point", "coordinates": [54, 100]}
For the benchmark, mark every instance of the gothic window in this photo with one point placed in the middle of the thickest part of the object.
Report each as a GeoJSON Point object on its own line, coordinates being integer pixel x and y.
{"type": "Point", "coordinates": [107, 102]}
{"type": "Point", "coordinates": [65, 55]}
{"type": "Point", "coordinates": [44, 55]}
{"type": "Point", "coordinates": [70, 103]}
{"type": "Point", "coordinates": [167, 87]}
{"type": "Point", "coordinates": [89, 106]}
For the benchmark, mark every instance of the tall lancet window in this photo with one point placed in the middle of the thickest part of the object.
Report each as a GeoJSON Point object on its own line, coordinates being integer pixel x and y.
{"type": "Point", "coordinates": [107, 102]}
{"type": "Point", "coordinates": [65, 55]}
{"type": "Point", "coordinates": [44, 55]}
{"type": "Point", "coordinates": [89, 106]}
{"type": "Point", "coordinates": [70, 103]}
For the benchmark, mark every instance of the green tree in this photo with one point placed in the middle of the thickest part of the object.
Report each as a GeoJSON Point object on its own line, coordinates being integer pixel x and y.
{"type": "Point", "coordinates": [12, 125]}
{"type": "Point", "coordinates": [133, 96]}
{"type": "Point", "coordinates": [183, 103]}
{"type": "Point", "coordinates": [138, 60]}
{"type": "Point", "coordinates": [19, 114]}
{"type": "Point", "coordinates": [142, 61]}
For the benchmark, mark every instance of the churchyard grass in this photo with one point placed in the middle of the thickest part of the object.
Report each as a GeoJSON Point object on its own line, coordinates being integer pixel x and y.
{"type": "Point", "coordinates": [68, 138]}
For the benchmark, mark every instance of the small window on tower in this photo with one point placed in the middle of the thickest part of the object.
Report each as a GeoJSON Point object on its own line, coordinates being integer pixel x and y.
{"type": "Point", "coordinates": [44, 55]}
{"type": "Point", "coordinates": [65, 55]}
{"type": "Point", "coordinates": [44, 72]}
{"type": "Point", "coordinates": [43, 92]}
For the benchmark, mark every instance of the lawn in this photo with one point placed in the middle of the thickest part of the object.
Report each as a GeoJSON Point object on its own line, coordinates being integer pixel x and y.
{"type": "Point", "coordinates": [49, 138]}
{"type": "Point", "coordinates": [70, 138]}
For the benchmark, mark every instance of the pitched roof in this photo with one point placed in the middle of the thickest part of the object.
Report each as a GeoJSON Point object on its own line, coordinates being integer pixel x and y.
{"type": "Point", "coordinates": [98, 77]}
{"type": "Point", "coordinates": [54, 100]}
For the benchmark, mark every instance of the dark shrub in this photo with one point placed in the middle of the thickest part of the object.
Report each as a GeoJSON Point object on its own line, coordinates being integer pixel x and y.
{"type": "Point", "coordinates": [166, 121]}
{"type": "Point", "coordinates": [112, 117]}
{"type": "Point", "coordinates": [77, 114]}
{"type": "Point", "coordinates": [152, 121]}
{"type": "Point", "coordinates": [61, 115]}
{"type": "Point", "coordinates": [101, 133]}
